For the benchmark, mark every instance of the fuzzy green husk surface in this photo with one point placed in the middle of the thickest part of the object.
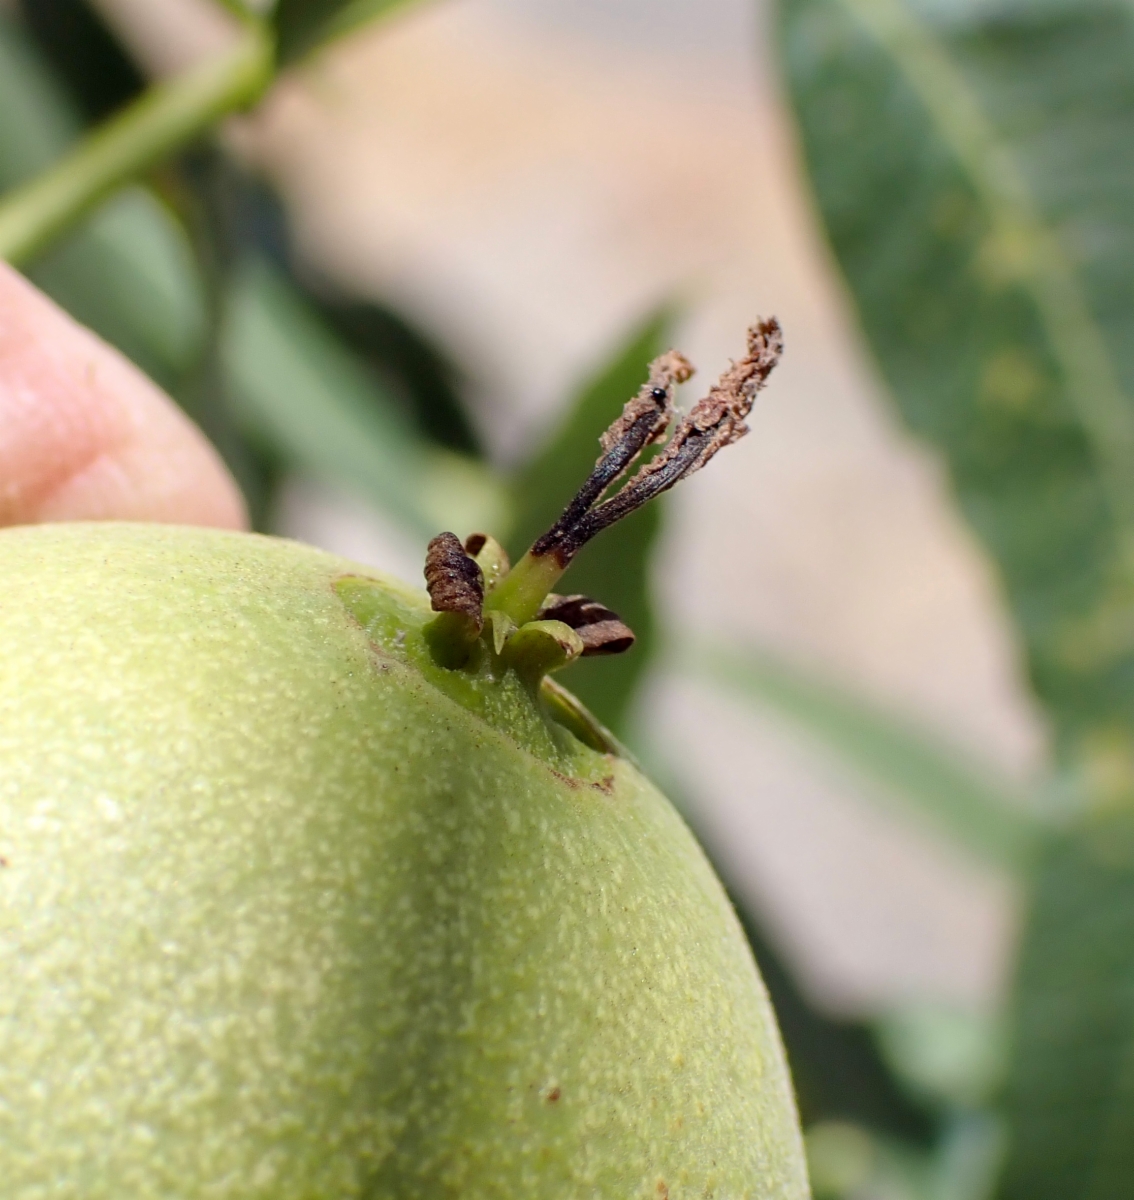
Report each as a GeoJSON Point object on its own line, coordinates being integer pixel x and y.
{"type": "Point", "coordinates": [289, 912]}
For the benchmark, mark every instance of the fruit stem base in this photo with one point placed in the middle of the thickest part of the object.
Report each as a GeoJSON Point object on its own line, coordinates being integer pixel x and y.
{"type": "Point", "coordinates": [523, 590]}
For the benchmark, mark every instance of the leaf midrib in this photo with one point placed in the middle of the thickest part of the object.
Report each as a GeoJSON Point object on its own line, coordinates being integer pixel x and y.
{"type": "Point", "coordinates": [1078, 343]}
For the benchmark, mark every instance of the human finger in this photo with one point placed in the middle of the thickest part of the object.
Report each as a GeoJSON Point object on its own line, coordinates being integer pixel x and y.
{"type": "Point", "coordinates": [85, 435]}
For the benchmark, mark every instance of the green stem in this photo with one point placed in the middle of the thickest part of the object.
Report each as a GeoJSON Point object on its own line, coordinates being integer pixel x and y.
{"type": "Point", "coordinates": [166, 117]}
{"type": "Point", "coordinates": [240, 11]}
{"type": "Point", "coordinates": [521, 592]}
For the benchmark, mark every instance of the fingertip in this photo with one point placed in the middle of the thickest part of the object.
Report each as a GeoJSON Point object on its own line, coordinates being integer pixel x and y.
{"type": "Point", "coordinates": [85, 435]}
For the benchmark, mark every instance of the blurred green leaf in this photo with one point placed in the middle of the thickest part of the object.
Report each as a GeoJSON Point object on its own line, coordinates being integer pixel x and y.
{"type": "Point", "coordinates": [418, 373]}
{"type": "Point", "coordinates": [969, 1157]}
{"type": "Point", "coordinates": [852, 1162]}
{"type": "Point", "coordinates": [303, 25]}
{"type": "Point", "coordinates": [309, 399]}
{"type": "Point", "coordinates": [985, 815]}
{"type": "Point", "coordinates": [1071, 1093]}
{"type": "Point", "coordinates": [76, 42]}
{"type": "Point", "coordinates": [849, 1162]}
{"type": "Point", "coordinates": [128, 272]}
{"type": "Point", "coordinates": [974, 165]}
{"type": "Point", "coordinates": [841, 1159]}
{"type": "Point", "coordinates": [946, 1056]}
{"type": "Point", "coordinates": [614, 568]}
{"type": "Point", "coordinates": [38, 122]}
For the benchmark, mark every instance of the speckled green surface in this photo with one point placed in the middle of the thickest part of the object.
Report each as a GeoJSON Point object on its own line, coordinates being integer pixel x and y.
{"type": "Point", "coordinates": [280, 918]}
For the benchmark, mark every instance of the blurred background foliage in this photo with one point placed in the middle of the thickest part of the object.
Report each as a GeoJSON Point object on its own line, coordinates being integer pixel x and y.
{"type": "Point", "coordinates": [972, 163]}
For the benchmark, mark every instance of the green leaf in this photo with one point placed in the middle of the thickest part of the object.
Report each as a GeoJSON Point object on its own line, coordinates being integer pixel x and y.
{"type": "Point", "coordinates": [845, 1161]}
{"type": "Point", "coordinates": [981, 813]}
{"type": "Point", "coordinates": [128, 272]}
{"type": "Point", "coordinates": [304, 395]}
{"type": "Point", "coordinates": [614, 568]}
{"type": "Point", "coordinates": [78, 44]}
{"type": "Point", "coordinates": [949, 1057]}
{"type": "Point", "coordinates": [1071, 1095]}
{"type": "Point", "coordinates": [304, 25]}
{"type": "Point", "coordinates": [974, 165]}
{"type": "Point", "coordinates": [38, 122]}
{"type": "Point", "coordinates": [424, 378]}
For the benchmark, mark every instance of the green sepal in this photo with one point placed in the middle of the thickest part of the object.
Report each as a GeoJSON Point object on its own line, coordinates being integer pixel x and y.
{"type": "Point", "coordinates": [502, 627]}
{"type": "Point", "coordinates": [492, 559]}
{"type": "Point", "coordinates": [540, 647]}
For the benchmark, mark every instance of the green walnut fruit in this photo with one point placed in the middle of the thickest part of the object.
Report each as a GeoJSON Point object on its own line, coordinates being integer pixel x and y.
{"type": "Point", "coordinates": [292, 907]}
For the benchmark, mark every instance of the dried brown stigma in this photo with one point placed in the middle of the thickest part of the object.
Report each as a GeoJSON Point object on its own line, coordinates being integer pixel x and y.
{"type": "Point", "coordinates": [644, 420]}
{"type": "Point", "coordinates": [713, 423]}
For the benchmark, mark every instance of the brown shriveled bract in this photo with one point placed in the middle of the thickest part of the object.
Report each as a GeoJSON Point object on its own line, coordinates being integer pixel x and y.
{"type": "Point", "coordinates": [601, 629]}
{"type": "Point", "coordinates": [713, 423]}
{"type": "Point", "coordinates": [454, 580]}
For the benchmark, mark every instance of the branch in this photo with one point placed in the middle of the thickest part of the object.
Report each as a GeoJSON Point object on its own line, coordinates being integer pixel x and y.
{"type": "Point", "coordinates": [169, 115]}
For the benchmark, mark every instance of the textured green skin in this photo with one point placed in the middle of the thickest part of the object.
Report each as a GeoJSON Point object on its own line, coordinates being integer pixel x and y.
{"type": "Point", "coordinates": [280, 918]}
